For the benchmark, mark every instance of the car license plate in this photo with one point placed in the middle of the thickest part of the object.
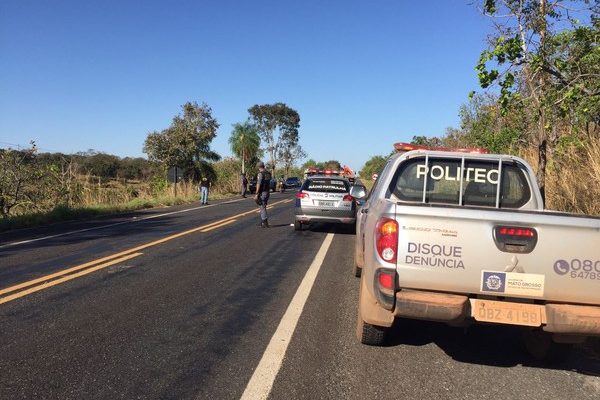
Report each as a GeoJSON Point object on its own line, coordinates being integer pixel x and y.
{"type": "Point", "coordinates": [502, 312]}
{"type": "Point", "coordinates": [327, 203]}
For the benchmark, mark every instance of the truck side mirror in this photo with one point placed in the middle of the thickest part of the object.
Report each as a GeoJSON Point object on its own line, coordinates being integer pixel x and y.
{"type": "Point", "coordinates": [358, 192]}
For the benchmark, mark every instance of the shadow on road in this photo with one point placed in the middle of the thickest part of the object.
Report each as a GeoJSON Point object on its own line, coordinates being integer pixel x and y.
{"type": "Point", "coordinates": [496, 345]}
{"type": "Point", "coordinates": [323, 227]}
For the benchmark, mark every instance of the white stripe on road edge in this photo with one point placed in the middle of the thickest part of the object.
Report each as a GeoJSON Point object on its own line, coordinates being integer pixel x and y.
{"type": "Point", "coordinates": [262, 380]}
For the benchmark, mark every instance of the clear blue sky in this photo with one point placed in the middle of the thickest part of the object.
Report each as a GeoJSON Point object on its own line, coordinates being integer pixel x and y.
{"type": "Point", "coordinates": [78, 75]}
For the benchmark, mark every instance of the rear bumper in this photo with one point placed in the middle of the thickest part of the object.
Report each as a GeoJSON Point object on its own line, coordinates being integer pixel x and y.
{"type": "Point", "coordinates": [455, 309]}
{"type": "Point", "coordinates": [567, 318]}
{"type": "Point", "coordinates": [325, 215]}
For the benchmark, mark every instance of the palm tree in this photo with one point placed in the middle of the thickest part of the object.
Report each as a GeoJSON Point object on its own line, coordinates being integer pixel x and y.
{"type": "Point", "coordinates": [244, 142]}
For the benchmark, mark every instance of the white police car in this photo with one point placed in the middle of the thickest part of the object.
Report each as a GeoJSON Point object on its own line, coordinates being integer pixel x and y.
{"type": "Point", "coordinates": [324, 198]}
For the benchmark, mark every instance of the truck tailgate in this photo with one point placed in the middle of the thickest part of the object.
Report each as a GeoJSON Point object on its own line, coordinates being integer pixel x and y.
{"type": "Point", "coordinates": [453, 249]}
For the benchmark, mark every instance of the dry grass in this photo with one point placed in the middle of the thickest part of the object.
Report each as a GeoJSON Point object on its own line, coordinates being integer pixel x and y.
{"type": "Point", "coordinates": [91, 197]}
{"type": "Point", "coordinates": [573, 179]}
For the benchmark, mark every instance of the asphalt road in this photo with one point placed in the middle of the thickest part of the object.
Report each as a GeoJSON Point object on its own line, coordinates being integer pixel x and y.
{"type": "Point", "coordinates": [183, 303]}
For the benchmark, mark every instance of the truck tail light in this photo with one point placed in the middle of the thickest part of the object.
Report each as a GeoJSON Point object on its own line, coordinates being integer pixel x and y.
{"type": "Point", "coordinates": [515, 239]}
{"type": "Point", "coordinates": [386, 239]}
{"type": "Point", "coordinates": [519, 232]}
{"type": "Point", "coordinates": [385, 279]}
{"type": "Point", "coordinates": [302, 195]}
{"type": "Point", "coordinates": [348, 198]}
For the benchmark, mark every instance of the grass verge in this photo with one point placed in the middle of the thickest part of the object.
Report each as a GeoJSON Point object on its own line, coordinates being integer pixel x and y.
{"type": "Point", "coordinates": [64, 213]}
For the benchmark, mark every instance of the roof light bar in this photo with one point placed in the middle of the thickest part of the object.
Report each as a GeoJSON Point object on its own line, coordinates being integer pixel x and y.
{"type": "Point", "coordinates": [404, 147]}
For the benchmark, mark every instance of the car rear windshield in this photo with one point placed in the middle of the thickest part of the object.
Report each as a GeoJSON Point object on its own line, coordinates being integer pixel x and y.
{"type": "Point", "coordinates": [479, 182]}
{"type": "Point", "coordinates": [326, 185]}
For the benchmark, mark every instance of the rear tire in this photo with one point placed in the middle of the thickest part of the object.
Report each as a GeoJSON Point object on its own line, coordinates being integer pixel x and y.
{"type": "Point", "coordinates": [356, 270]}
{"type": "Point", "coordinates": [370, 335]}
{"type": "Point", "coordinates": [539, 345]}
{"type": "Point", "coordinates": [297, 226]}
{"type": "Point", "coordinates": [352, 229]}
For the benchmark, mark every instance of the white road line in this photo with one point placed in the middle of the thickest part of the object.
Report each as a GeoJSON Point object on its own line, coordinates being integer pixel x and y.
{"type": "Point", "coordinates": [133, 219]}
{"type": "Point", "coordinates": [262, 380]}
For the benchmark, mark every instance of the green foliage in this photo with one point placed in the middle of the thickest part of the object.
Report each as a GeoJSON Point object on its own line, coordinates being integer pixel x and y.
{"type": "Point", "coordinates": [277, 125]}
{"type": "Point", "coordinates": [101, 164]}
{"type": "Point", "coordinates": [373, 166]}
{"type": "Point", "coordinates": [245, 142]}
{"type": "Point", "coordinates": [186, 143]}
{"type": "Point", "coordinates": [289, 154]}
{"type": "Point", "coordinates": [136, 168]}
{"type": "Point", "coordinates": [311, 163]}
{"type": "Point", "coordinates": [331, 164]}
{"type": "Point", "coordinates": [227, 176]}
{"type": "Point", "coordinates": [295, 171]}
{"type": "Point", "coordinates": [546, 65]}
{"type": "Point", "coordinates": [18, 178]}
{"type": "Point", "coordinates": [158, 185]}
{"type": "Point", "coordinates": [425, 141]}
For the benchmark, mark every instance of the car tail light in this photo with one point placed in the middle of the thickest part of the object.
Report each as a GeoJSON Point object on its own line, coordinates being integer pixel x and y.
{"type": "Point", "coordinates": [302, 195]}
{"type": "Point", "coordinates": [348, 198]}
{"type": "Point", "coordinates": [387, 239]}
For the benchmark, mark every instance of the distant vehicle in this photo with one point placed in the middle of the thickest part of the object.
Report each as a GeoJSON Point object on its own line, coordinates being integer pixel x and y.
{"type": "Point", "coordinates": [252, 185]}
{"type": "Point", "coordinates": [461, 236]}
{"type": "Point", "coordinates": [324, 199]}
{"type": "Point", "coordinates": [292, 182]}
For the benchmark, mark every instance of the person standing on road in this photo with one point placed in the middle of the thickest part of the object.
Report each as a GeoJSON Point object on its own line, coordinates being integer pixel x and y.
{"type": "Point", "coordinates": [244, 184]}
{"type": "Point", "coordinates": [204, 185]}
{"type": "Point", "coordinates": [263, 187]}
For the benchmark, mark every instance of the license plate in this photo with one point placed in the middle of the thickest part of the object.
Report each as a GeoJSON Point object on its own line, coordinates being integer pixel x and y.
{"type": "Point", "coordinates": [502, 312]}
{"type": "Point", "coordinates": [327, 203]}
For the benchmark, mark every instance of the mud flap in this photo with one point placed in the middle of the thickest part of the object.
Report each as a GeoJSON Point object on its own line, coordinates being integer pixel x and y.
{"type": "Point", "coordinates": [369, 309]}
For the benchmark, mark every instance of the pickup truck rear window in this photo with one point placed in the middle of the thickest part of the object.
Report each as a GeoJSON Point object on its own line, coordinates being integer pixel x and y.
{"type": "Point", "coordinates": [326, 185]}
{"type": "Point", "coordinates": [479, 182]}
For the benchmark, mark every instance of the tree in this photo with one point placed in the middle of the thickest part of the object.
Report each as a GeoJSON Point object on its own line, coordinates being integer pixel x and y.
{"type": "Point", "coordinates": [333, 165]}
{"type": "Point", "coordinates": [543, 71]}
{"type": "Point", "coordinates": [16, 174]}
{"type": "Point", "coordinates": [425, 141]}
{"type": "Point", "coordinates": [310, 163]}
{"type": "Point", "coordinates": [289, 155]}
{"type": "Point", "coordinates": [244, 142]}
{"type": "Point", "coordinates": [373, 166]}
{"type": "Point", "coordinates": [101, 164]}
{"type": "Point", "coordinates": [277, 125]}
{"type": "Point", "coordinates": [26, 184]}
{"type": "Point", "coordinates": [186, 143]}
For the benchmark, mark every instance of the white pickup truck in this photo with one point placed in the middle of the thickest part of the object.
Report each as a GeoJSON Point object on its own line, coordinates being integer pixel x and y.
{"type": "Point", "coordinates": [461, 237]}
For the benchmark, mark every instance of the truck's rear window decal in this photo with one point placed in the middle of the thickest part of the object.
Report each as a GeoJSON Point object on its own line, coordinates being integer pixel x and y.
{"type": "Point", "coordinates": [446, 177]}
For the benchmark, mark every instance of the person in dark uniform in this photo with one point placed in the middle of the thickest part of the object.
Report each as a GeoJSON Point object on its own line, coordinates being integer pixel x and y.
{"type": "Point", "coordinates": [244, 184]}
{"type": "Point", "coordinates": [263, 183]}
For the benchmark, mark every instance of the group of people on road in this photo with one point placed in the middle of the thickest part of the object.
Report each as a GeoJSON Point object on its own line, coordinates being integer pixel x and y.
{"type": "Point", "coordinates": [263, 183]}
